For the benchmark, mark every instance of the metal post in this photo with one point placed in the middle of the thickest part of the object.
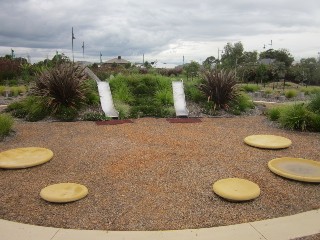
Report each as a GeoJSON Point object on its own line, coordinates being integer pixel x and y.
{"type": "Point", "coordinates": [83, 49]}
{"type": "Point", "coordinates": [72, 37]}
{"type": "Point", "coordinates": [219, 54]}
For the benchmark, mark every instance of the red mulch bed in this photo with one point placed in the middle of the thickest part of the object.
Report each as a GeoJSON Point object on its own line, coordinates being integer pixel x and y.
{"type": "Point", "coordinates": [113, 122]}
{"type": "Point", "coordinates": [184, 120]}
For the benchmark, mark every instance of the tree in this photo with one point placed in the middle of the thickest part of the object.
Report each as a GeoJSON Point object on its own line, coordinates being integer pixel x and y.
{"type": "Point", "coordinates": [250, 57]}
{"type": "Point", "coordinates": [192, 69]}
{"type": "Point", "coordinates": [262, 74]}
{"type": "Point", "coordinates": [233, 55]}
{"type": "Point", "coordinates": [282, 55]}
{"type": "Point", "coordinates": [147, 65]}
{"type": "Point", "coordinates": [209, 62]}
{"type": "Point", "coordinates": [309, 71]}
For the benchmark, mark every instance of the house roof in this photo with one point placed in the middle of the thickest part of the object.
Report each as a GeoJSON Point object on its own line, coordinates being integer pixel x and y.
{"type": "Point", "coordinates": [117, 60]}
{"type": "Point", "coordinates": [266, 61]}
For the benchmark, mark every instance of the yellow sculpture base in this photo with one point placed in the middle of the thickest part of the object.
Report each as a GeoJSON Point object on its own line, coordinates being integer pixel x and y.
{"type": "Point", "coordinates": [24, 157]}
{"type": "Point", "coordinates": [296, 168]}
{"type": "Point", "coordinates": [63, 192]}
{"type": "Point", "coordinates": [236, 189]}
{"type": "Point", "coordinates": [268, 141]}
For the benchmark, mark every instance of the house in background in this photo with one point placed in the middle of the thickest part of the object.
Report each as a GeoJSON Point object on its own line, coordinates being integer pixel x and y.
{"type": "Point", "coordinates": [118, 61]}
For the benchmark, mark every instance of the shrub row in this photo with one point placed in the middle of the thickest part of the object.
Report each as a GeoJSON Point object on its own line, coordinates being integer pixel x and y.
{"type": "Point", "coordinates": [303, 117]}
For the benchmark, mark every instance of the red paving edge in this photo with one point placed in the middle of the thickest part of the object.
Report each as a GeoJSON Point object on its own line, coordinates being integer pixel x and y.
{"type": "Point", "coordinates": [113, 122]}
{"type": "Point", "coordinates": [183, 120]}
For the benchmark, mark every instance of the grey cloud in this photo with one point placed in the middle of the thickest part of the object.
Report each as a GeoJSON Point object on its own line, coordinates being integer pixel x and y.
{"type": "Point", "coordinates": [135, 27]}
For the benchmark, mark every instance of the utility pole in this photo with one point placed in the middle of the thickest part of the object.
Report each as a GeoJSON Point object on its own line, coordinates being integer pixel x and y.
{"type": "Point", "coordinates": [100, 58]}
{"type": "Point", "coordinates": [83, 49]}
{"type": "Point", "coordinates": [183, 61]}
{"type": "Point", "coordinates": [72, 37]}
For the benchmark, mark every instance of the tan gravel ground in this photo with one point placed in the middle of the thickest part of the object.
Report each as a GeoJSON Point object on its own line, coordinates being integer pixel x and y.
{"type": "Point", "coordinates": [151, 174]}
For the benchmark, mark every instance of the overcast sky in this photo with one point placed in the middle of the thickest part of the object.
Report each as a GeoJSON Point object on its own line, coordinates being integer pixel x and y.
{"type": "Point", "coordinates": [163, 30]}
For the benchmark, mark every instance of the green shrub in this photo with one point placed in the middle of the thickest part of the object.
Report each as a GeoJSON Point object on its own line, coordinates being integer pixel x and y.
{"type": "Point", "coordinates": [315, 90]}
{"type": "Point", "coordinates": [63, 87]}
{"type": "Point", "coordinates": [2, 90]}
{"type": "Point", "coordinates": [241, 103]}
{"type": "Point", "coordinates": [268, 91]}
{"type": "Point", "coordinates": [36, 109]}
{"type": "Point", "coordinates": [139, 95]}
{"type": "Point", "coordinates": [31, 108]}
{"type": "Point", "coordinates": [194, 94]}
{"type": "Point", "coordinates": [274, 113]}
{"type": "Point", "coordinates": [92, 95]}
{"type": "Point", "coordinates": [295, 117]}
{"type": "Point", "coordinates": [15, 91]}
{"type": "Point", "coordinates": [209, 108]}
{"type": "Point", "coordinates": [120, 90]}
{"type": "Point", "coordinates": [6, 123]}
{"type": "Point", "coordinates": [250, 88]}
{"type": "Point", "coordinates": [314, 104]}
{"type": "Point", "coordinates": [291, 93]}
{"type": "Point", "coordinates": [219, 86]}
{"type": "Point", "coordinates": [150, 111]}
{"type": "Point", "coordinates": [94, 116]}
{"type": "Point", "coordinates": [123, 108]}
{"type": "Point", "coordinates": [164, 97]}
{"type": "Point", "coordinates": [65, 113]}
{"type": "Point", "coordinates": [314, 120]}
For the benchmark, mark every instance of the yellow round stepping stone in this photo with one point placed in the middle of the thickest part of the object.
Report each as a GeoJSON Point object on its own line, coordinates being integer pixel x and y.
{"type": "Point", "coordinates": [268, 141]}
{"type": "Point", "coordinates": [24, 157]}
{"type": "Point", "coordinates": [236, 189]}
{"type": "Point", "coordinates": [64, 192]}
{"type": "Point", "coordinates": [296, 168]}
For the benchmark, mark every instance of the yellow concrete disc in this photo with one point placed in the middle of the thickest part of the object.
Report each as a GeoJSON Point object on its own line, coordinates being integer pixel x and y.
{"type": "Point", "coordinates": [268, 141]}
{"type": "Point", "coordinates": [64, 192]}
{"type": "Point", "coordinates": [236, 189]}
{"type": "Point", "coordinates": [24, 157]}
{"type": "Point", "coordinates": [296, 168]}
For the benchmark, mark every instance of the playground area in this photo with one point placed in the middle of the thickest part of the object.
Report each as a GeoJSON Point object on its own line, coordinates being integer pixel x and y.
{"type": "Point", "coordinates": [154, 175]}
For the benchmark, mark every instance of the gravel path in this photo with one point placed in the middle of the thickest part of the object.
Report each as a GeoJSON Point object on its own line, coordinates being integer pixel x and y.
{"type": "Point", "coordinates": [151, 174]}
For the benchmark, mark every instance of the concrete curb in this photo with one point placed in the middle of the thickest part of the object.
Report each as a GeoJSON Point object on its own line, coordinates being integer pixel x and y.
{"type": "Point", "coordinates": [298, 225]}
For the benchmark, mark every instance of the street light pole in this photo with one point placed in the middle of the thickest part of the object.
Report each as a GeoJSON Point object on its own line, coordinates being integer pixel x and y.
{"type": "Point", "coordinates": [219, 53]}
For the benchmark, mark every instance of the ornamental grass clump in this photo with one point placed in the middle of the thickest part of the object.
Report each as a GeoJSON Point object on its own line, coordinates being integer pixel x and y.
{"type": "Point", "coordinates": [274, 113]}
{"type": "Point", "coordinates": [63, 89]}
{"type": "Point", "coordinates": [219, 86]}
{"type": "Point", "coordinates": [314, 104]}
{"type": "Point", "coordinates": [250, 88]}
{"type": "Point", "coordinates": [291, 93]}
{"type": "Point", "coordinates": [241, 103]}
{"type": "Point", "coordinates": [295, 117]}
{"type": "Point", "coordinates": [6, 123]}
